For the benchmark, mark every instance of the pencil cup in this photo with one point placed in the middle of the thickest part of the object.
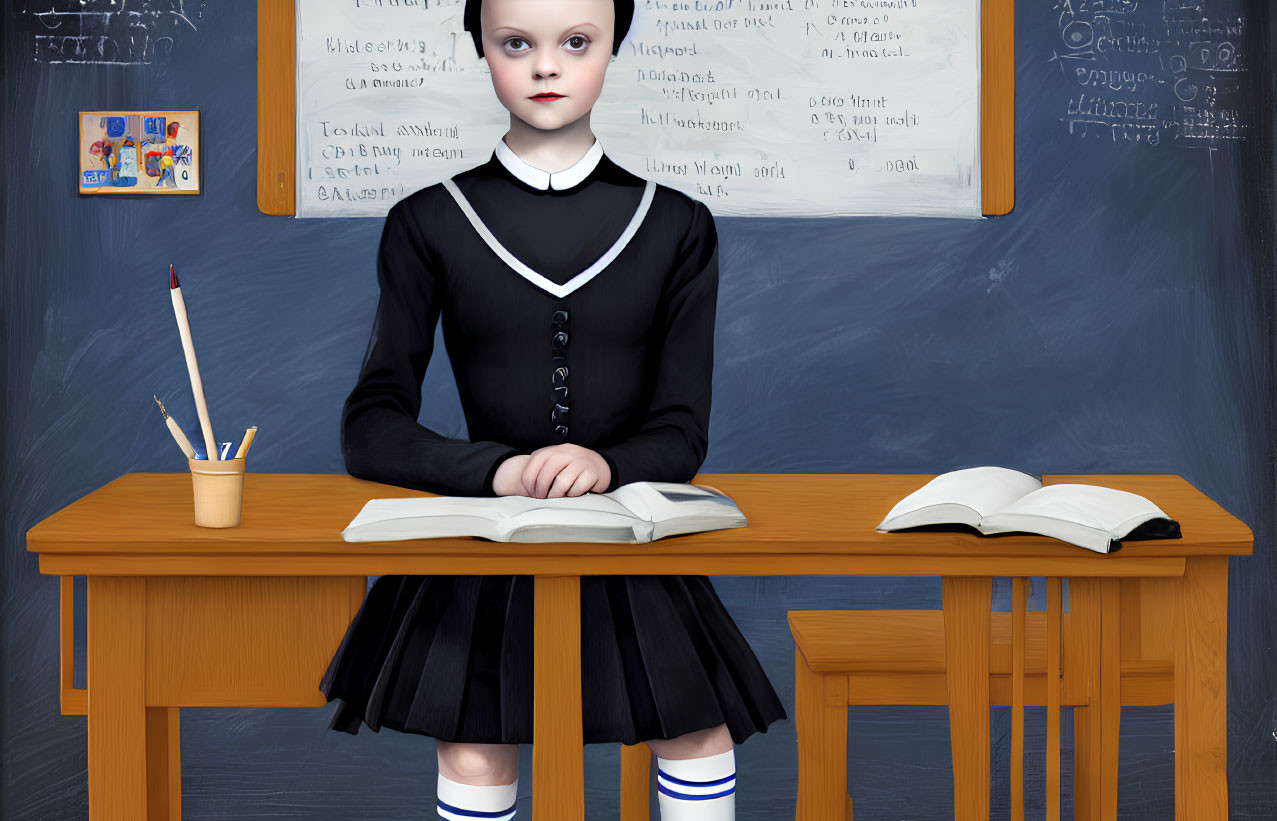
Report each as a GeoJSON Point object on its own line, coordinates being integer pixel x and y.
{"type": "Point", "coordinates": [219, 491]}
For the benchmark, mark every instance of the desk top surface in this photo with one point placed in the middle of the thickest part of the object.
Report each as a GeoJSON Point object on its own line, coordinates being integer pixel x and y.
{"type": "Point", "coordinates": [285, 514]}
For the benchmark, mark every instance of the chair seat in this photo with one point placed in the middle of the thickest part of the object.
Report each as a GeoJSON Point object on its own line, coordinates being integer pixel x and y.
{"type": "Point", "coordinates": [898, 657]}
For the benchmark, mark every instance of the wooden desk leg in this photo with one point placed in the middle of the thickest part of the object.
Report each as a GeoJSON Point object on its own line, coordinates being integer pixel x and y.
{"type": "Point", "coordinates": [1110, 693]}
{"type": "Point", "coordinates": [820, 715]}
{"type": "Point", "coordinates": [1054, 619]}
{"type": "Point", "coordinates": [636, 782]}
{"type": "Point", "coordinates": [1201, 688]}
{"type": "Point", "coordinates": [1082, 674]}
{"type": "Point", "coordinates": [1019, 606]}
{"type": "Point", "coordinates": [558, 759]}
{"type": "Point", "coordinates": [117, 698]}
{"type": "Point", "coordinates": [967, 602]}
{"type": "Point", "coordinates": [163, 764]}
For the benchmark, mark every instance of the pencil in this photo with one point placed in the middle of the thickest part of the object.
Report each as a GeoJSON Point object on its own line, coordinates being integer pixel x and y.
{"type": "Point", "coordinates": [192, 367]}
{"type": "Point", "coordinates": [248, 440]}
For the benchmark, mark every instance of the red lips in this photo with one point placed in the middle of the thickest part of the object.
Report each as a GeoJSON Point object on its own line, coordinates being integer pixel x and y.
{"type": "Point", "coordinates": [545, 96]}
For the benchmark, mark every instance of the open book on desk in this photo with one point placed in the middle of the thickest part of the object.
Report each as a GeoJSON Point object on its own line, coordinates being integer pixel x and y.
{"type": "Point", "coordinates": [1000, 500]}
{"type": "Point", "coordinates": [636, 512]}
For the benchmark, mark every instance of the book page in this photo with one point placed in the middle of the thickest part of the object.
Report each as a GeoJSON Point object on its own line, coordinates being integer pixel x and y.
{"type": "Point", "coordinates": [379, 510]}
{"type": "Point", "coordinates": [985, 490]}
{"type": "Point", "coordinates": [418, 527]}
{"type": "Point", "coordinates": [547, 525]}
{"type": "Point", "coordinates": [662, 501]}
{"type": "Point", "coordinates": [565, 506]}
{"type": "Point", "coordinates": [567, 509]}
{"type": "Point", "coordinates": [635, 500]}
{"type": "Point", "coordinates": [1104, 508]}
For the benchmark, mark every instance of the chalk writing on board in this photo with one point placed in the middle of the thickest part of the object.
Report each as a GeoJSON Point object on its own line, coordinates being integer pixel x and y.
{"type": "Point", "coordinates": [1145, 74]}
{"type": "Point", "coordinates": [757, 107]}
{"type": "Point", "coordinates": [112, 32]}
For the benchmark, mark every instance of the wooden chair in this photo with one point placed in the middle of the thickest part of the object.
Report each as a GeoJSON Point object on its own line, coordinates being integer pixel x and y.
{"type": "Point", "coordinates": [1095, 659]}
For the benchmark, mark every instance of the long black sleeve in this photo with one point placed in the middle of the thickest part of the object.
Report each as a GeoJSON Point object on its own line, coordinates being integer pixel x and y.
{"type": "Point", "coordinates": [380, 437]}
{"type": "Point", "coordinates": [672, 442]}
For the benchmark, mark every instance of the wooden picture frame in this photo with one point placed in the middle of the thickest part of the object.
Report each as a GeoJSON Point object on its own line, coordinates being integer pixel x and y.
{"type": "Point", "coordinates": [139, 152]}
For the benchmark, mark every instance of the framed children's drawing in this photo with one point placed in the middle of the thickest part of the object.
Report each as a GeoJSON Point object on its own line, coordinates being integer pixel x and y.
{"type": "Point", "coordinates": [139, 152]}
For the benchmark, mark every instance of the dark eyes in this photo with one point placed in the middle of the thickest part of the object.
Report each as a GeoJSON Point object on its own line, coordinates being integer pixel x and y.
{"type": "Point", "coordinates": [577, 43]}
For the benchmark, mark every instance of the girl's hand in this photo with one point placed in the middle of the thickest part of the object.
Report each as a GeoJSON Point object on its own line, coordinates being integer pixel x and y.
{"type": "Point", "coordinates": [508, 481]}
{"type": "Point", "coordinates": [564, 470]}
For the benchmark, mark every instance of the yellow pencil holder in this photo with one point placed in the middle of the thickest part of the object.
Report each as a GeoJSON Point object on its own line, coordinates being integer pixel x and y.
{"type": "Point", "coordinates": [219, 491]}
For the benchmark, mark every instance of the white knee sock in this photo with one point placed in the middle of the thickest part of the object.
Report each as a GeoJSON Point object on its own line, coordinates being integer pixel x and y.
{"type": "Point", "coordinates": [466, 802]}
{"type": "Point", "coordinates": [697, 789]}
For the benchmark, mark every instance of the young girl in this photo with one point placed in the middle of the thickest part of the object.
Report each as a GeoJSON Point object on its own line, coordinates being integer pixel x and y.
{"type": "Point", "coordinates": [578, 309]}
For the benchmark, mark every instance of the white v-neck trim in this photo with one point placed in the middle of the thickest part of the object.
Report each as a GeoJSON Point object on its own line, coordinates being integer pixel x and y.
{"type": "Point", "coordinates": [532, 276]}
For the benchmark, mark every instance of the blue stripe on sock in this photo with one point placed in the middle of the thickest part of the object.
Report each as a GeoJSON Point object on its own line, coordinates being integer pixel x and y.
{"type": "Point", "coordinates": [686, 797]}
{"type": "Point", "coordinates": [669, 777]}
{"type": "Point", "coordinates": [475, 813]}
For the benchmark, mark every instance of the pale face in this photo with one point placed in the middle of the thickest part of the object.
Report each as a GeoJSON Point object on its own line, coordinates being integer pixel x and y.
{"type": "Point", "coordinates": [560, 46]}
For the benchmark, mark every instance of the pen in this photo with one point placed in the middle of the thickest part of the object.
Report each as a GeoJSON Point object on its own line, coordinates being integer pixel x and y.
{"type": "Point", "coordinates": [178, 436]}
{"type": "Point", "coordinates": [248, 440]}
{"type": "Point", "coordinates": [224, 450]}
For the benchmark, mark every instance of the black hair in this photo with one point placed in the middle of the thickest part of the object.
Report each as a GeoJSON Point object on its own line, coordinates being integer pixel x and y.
{"type": "Point", "coordinates": [624, 16]}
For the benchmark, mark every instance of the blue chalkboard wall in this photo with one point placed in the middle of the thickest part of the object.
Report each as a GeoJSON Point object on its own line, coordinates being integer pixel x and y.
{"type": "Point", "coordinates": [1119, 320]}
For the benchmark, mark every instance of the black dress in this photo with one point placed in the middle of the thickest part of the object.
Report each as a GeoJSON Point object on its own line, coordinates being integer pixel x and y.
{"type": "Point", "coordinates": [624, 272]}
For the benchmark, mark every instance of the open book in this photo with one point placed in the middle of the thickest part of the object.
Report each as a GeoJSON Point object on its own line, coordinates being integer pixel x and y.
{"type": "Point", "coordinates": [636, 512]}
{"type": "Point", "coordinates": [1001, 500]}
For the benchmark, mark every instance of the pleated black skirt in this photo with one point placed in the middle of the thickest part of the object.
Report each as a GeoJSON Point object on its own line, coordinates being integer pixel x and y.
{"type": "Point", "coordinates": [451, 657]}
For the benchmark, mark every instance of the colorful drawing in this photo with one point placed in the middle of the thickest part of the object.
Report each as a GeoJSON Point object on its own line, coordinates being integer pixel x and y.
{"type": "Point", "coordinates": [139, 152]}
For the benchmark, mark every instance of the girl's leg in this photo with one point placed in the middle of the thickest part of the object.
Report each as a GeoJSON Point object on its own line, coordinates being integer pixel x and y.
{"type": "Point", "coordinates": [696, 776]}
{"type": "Point", "coordinates": [476, 780]}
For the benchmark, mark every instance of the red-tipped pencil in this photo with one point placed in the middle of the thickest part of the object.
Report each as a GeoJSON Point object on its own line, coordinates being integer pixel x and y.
{"type": "Point", "coordinates": [192, 367]}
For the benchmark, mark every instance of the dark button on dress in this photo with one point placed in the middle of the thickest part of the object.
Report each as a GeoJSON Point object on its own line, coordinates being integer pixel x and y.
{"type": "Point", "coordinates": [627, 271]}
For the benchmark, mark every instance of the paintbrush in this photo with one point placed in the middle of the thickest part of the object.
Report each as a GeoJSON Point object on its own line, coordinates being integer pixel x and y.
{"type": "Point", "coordinates": [192, 367]}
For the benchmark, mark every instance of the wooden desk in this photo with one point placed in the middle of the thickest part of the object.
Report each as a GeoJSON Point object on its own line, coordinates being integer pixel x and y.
{"type": "Point", "coordinates": [182, 616]}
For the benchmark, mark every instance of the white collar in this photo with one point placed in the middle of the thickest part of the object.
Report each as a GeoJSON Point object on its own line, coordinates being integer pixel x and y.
{"type": "Point", "coordinates": [540, 179]}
